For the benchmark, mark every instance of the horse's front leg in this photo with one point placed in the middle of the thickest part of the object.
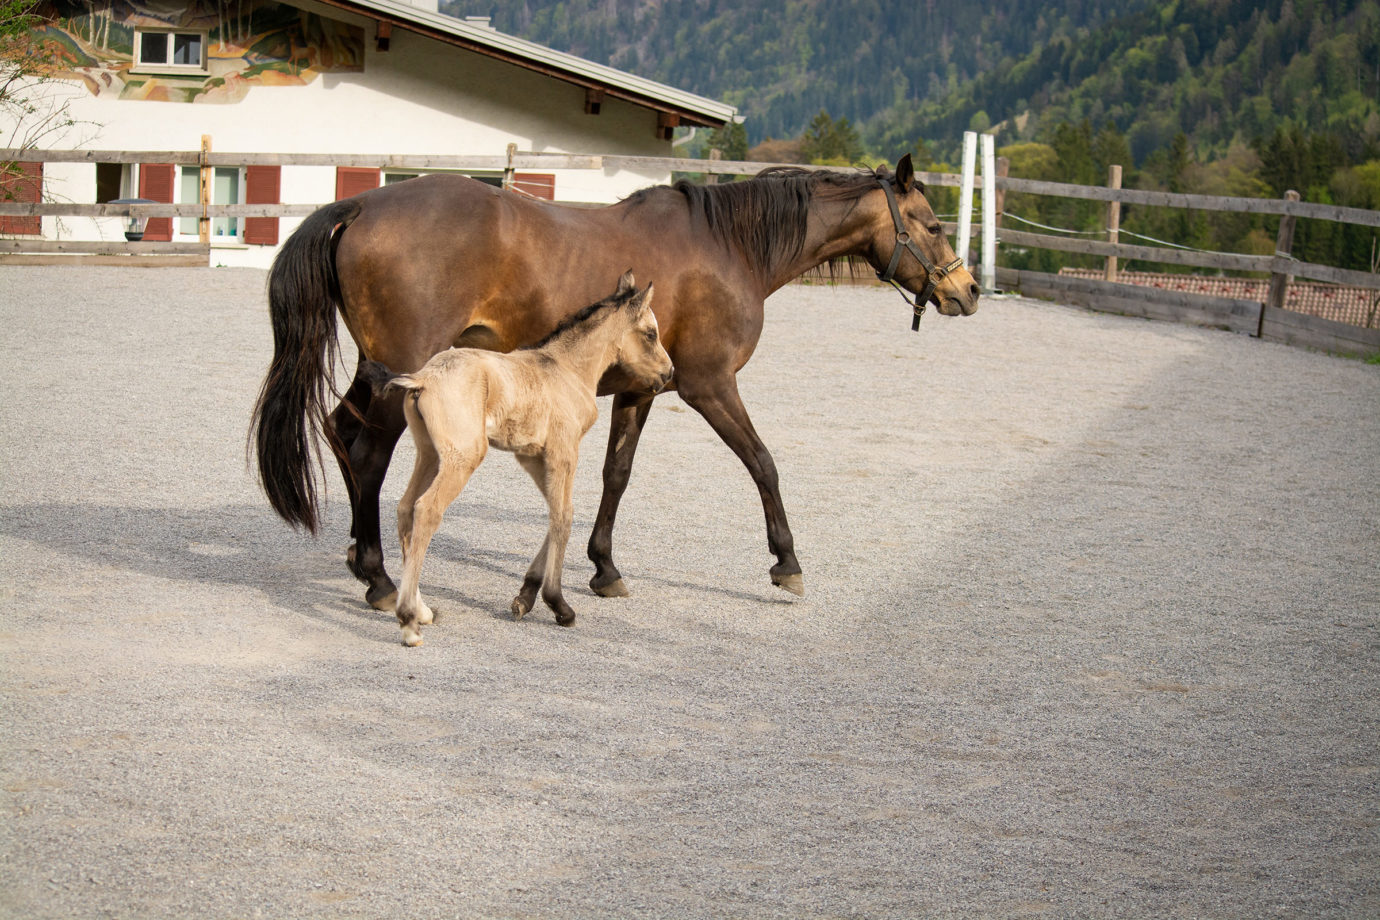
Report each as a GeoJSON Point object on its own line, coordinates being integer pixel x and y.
{"type": "Point", "coordinates": [369, 456]}
{"type": "Point", "coordinates": [625, 428]}
{"type": "Point", "coordinates": [555, 476]}
{"type": "Point", "coordinates": [717, 400]}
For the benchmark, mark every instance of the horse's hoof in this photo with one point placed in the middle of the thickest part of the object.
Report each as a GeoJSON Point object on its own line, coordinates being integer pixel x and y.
{"type": "Point", "coordinates": [615, 588]}
{"type": "Point", "coordinates": [385, 599]}
{"type": "Point", "coordinates": [565, 619]}
{"type": "Point", "coordinates": [795, 584]}
{"type": "Point", "coordinates": [412, 639]}
{"type": "Point", "coordinates": [520, 609]}
{"type": "Point", "coordinates": [426, 616]}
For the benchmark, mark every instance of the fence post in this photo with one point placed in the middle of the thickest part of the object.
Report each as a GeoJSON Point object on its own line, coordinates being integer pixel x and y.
{"type": "Point", "coordinates": [1279, 281]}
{"type": "Point", "coordinates": [989, 213]}
{"type": "Point", "coordinates": [203, 225]}
{"type": "Point", "coordinates": [1113, 218]}
{"type": "Point", "coordinates": [715, 154]}
{"type": "Point", "coordinates": [509, 172]}
{"type": "Point", "coordinates": [965, 196]}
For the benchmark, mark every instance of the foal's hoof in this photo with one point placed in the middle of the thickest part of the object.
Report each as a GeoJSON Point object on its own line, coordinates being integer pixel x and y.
{"type": "Point", "coordinates": [521, 608]}
{"type": "Point", "coordinates": [795, 584]}
{"type": "Point", "coordinates": [411, 638]}
{"type": "Point", "coordinates": [615, 588]}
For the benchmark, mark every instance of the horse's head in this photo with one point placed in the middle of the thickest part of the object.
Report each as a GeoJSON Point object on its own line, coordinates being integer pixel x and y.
{"type": "Point", "coordinates": [909, 248]}
{"type": "Point", "coordinates": [641, 357]}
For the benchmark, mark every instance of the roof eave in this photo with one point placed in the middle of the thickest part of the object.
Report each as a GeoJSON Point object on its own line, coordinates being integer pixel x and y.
{"type": "Point", "coordinates": [688, 108]}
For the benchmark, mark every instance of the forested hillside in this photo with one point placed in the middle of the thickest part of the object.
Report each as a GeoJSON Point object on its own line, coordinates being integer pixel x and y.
{"type": "Point", "coordinates": [1236, 97]}
{"type": "Point", "coordinates": [783, 63]}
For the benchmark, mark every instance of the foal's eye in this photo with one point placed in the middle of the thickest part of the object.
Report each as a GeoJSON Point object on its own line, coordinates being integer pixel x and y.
{"type": "Point", "coordinates": [935, 229]}
{"type": "Point", "coordinates": [650, 334]}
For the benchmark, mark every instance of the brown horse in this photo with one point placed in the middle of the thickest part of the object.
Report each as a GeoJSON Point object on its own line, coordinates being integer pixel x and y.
{"type": "Point", "coordinates": [443, 261]}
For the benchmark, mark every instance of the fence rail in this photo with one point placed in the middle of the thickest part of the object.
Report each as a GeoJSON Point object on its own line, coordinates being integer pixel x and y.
{"type": "Point", "coordinates": [1247, 315]}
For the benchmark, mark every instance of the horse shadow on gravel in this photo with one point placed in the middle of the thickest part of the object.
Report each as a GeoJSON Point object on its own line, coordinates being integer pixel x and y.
{"type": "Point", "coordinates": [239, 546]}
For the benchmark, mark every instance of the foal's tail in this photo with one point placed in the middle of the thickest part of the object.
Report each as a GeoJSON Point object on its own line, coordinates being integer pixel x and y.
{"type": "Point", "coordinates": [303, 296]}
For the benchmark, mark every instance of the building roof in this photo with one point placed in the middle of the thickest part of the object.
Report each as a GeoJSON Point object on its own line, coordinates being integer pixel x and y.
{"type": "Point", "coordinates": [676, 107]}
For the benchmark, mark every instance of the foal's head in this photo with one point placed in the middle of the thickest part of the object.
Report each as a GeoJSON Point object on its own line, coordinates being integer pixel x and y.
{"type": "Point", "coordinates": [641, 357]}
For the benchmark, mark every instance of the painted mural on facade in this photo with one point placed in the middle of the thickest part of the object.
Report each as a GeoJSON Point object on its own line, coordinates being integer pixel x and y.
{"type": "Point", "coordinates": [248, 43]}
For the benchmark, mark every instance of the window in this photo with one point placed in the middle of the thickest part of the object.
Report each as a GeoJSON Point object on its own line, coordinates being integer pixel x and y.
{"type": "Point", "coordinates": [394, 176]}
{"type": "Point", "coordinates": [112, 180]}
{"type": "Point", "coordinates": [170, 52]}
{"type": "Point", "coordinates": [226, 183]}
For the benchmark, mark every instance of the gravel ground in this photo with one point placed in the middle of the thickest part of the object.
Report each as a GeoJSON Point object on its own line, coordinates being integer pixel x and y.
{"type": "Point", "coordinates": [1090, 630]}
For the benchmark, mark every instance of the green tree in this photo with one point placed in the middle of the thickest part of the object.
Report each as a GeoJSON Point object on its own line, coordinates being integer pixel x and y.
{"type": "Point", "coordinates": [731, 140]}
{"type": "Point", "coordinates": [830, 142]}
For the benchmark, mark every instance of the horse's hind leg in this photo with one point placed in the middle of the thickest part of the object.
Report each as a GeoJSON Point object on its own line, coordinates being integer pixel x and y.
{"type": "Point", "coordinates": [369, 456]}
{"type": "Point", "coordinates": [428, 508]}
{"type": "Point", "coordinates": [345, 424]}
{"type": "Point", "coordinates": [626, 422]}
{"type": "Point", "coordinates": [556, 479]}
{"type": "Point", "coordinates": [723, 409]}
{"type": "Point", "coordinates": [424, 473]}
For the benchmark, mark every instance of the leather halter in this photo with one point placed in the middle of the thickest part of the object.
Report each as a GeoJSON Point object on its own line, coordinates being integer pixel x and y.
{"type": "Point", "coordinates": [933, 275]}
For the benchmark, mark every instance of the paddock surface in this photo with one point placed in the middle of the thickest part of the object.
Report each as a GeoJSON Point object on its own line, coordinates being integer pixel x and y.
{"type": "Point", "coordinates": [1090, 631]}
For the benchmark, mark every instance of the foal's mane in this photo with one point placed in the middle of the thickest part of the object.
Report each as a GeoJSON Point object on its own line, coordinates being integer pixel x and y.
{"type": "Point", "coordinates": [584, 315]}
{"type": "Point", "coordinates": [765, 217]}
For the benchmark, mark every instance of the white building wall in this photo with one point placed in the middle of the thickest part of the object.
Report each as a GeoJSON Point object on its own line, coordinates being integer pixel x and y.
{"type": "Point", "coordinates": [419, 97]}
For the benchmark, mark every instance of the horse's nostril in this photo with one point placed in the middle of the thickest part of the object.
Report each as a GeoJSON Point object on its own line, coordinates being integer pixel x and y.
{"type": "Point", "coordinates": [974, 289]}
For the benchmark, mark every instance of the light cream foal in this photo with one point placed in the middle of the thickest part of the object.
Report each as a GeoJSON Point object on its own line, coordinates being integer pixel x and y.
{"type": "Point", "coordinates": [535, 402]}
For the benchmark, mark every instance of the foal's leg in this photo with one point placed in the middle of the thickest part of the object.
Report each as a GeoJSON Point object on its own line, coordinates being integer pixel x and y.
{"type": "Point", "coordinates": [555, 476]}
{"type": "Point", "coordinates": [527, 597]}
{"type": "Point", "coordinates": [625, 428]}
{"type": "Point", "coordinates": [453, 471]}
{"type": "Point", "coordinates": [423, 475]}
{"type": "Point", "coordinates": [717, 400]}
{"type": "Point", "coordinates": [369, 456]}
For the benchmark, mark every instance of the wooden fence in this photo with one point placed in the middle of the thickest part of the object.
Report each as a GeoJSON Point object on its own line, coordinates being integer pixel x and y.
{"type": "Point", "coordinates": [1264, 319]}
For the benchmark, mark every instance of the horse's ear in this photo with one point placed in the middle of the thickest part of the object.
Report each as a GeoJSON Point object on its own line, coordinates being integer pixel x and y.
{"type": "Point", "coordinates": [905, 174]}
{"type": "Point", "coordinates": [625, 283]}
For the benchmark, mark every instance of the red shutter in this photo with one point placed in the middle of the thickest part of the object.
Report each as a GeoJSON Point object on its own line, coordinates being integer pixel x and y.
{"type": "Point", "coordinates": [26, 187]}
{"type": "Point", "coordinates": [262, 185]}
{"type": "Point", "coordinates": [156, 183]}
{"type": "Point", "coordinates": [538, 185]}
{"type": "Point", "coordinates": [351, 180]}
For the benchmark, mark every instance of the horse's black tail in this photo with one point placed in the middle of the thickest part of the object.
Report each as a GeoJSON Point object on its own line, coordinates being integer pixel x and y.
{"type": "Point", "coordinates": [303, 296]}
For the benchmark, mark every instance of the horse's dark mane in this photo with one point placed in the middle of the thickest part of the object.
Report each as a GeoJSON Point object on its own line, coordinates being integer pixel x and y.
{"type": "Point", "coordinates": [765, 216]}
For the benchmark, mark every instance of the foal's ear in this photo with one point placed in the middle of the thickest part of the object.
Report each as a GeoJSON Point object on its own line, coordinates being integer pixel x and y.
{"type": "Point", "coordinates": [905, 174]}
{"type": "Point", "coordinates": [625, 283]}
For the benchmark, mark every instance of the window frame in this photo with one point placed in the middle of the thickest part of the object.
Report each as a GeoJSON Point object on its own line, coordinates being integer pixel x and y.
{"type": "Point", "coordinates": [167, 68]}
{"type": "Point", "coordinates": [225, 239]}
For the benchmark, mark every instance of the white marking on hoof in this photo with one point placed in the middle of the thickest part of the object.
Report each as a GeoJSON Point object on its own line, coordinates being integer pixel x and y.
{"type": "Point", "coordinates": [426, 616]}
{"type": "Point", "coordinates": [795, 584]}
{"type": "Point", "coordinates": [613, 589]}
{"type": "Point", "coordinates": [411, 637]}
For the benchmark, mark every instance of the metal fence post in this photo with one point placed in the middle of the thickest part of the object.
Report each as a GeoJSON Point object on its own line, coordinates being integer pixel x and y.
{"type": "Point", "coordinates": [989, 213]}
{"type": "Point", "coordinates": [965, 196]}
